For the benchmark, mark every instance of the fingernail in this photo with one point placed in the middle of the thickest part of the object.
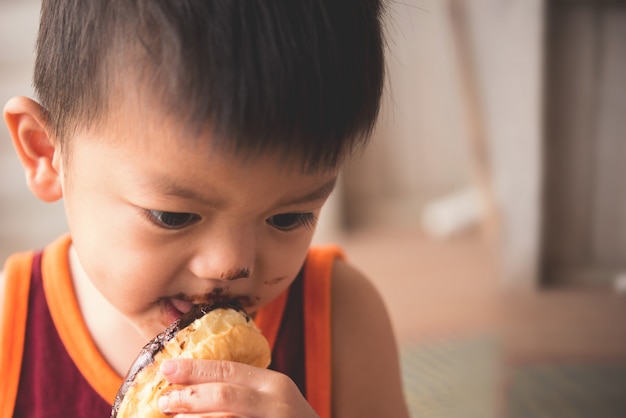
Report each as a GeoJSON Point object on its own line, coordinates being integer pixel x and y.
{"type": "Point", "coordinates": [164, 403]}
{"type": "Point", "coordinates": [169, 367]}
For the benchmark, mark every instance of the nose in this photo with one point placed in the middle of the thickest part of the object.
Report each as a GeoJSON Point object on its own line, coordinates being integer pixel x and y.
{"type": "Point", "coordinates": [226, 255]}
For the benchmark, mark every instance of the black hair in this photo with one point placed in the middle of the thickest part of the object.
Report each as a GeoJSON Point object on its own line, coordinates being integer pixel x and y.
{"type": "Point", "coordinates": [301, 76]}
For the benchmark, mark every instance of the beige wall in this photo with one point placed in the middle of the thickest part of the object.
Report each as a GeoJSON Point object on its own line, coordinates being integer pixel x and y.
{"type": "Point", "coordinates": [509, 50]}
{"type": "Point", "coordinates": [25, 222]}
{"type": "Point", "coordinates": [421, 148]}
{"type": "Point", "coordinates": [418, 151]}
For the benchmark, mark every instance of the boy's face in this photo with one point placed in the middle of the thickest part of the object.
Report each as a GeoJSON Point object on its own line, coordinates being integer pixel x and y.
{"type": "Point", "coordinates": [160, 221]}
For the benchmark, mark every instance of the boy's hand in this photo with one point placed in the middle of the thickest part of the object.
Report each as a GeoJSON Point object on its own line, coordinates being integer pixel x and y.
{"type": "Point", "coordinates": [232, 389]}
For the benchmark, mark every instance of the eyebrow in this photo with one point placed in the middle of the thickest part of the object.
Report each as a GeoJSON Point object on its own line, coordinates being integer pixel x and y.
{"type": "Point", "coordinates": [316, 195]}
{"type": "Point", "coordinates": [168, 188]}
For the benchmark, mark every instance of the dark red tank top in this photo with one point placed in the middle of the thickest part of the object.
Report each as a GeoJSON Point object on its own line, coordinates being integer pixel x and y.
{"type": "Point", "coordinates": [52, 386]}
{"type": "Point", "coordinates": [50, 383]}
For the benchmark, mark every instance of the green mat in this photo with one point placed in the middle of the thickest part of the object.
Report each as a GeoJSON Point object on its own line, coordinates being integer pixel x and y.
{"type": "Point", "coordinates": [451, 379]}
{"type": "Point", "coordinates": [568, 391]}
{"type": "Point", "coordinates": [463, 379]}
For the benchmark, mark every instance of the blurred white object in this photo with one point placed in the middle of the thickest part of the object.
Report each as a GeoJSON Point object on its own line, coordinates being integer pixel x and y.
{"type": "Point", "coordinates": [453, 213]}
{"type": "Point", "coordinates": [619, 283]}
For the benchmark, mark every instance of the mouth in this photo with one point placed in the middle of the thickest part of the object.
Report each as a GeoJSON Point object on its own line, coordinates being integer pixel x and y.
{"type": "Point", "coordinates": [180, 305]}
{"type": "Point", "coordinates": [174, 308]}
{"type": "Point", "coordinates": [177, 306]}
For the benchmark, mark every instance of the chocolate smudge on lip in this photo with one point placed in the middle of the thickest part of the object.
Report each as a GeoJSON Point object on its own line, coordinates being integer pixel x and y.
{"type": "Point", "coordinates": [217, 295]}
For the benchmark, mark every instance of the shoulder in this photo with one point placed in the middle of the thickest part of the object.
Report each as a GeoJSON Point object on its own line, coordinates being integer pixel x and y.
{"type": "Point", "coordinates": [15, 280]}
{"type": "Point", "coordinates": [366, 370]}
{"type": "Point", "coordinates": [2, 291]}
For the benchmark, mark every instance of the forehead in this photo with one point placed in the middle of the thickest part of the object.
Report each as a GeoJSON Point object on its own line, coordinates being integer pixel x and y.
{"type": "Point", "coordinates": [136, 114]}
{"type": "Point", "coordinates": [140, 133]}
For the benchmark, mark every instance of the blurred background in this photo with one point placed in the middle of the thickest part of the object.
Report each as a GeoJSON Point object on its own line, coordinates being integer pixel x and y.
{"type": "Point", "coordinates": [489, 209]}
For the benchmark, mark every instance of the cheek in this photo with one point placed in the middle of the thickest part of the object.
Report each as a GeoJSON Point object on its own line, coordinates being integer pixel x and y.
{"type": "Point", "coordinates": [113, 271]}
{"type": "Point", "coordinates": [285, 255]}
{"type": "Point", "coordinates": [130, 275]}
{"type": "Point", "coordinates": [279, 268]}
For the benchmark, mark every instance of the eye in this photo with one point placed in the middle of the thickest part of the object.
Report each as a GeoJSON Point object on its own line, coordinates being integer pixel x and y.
{"type": "Point", "coordinates": [171, 220]}
{"type": "Point", "coordinates": [291, 221]}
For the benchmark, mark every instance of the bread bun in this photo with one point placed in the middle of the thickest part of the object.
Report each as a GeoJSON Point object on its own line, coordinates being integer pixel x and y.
{"type": "Point", "coordinates": [214, 331]}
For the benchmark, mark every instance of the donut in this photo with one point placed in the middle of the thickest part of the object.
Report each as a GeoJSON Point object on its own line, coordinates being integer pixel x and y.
{"type": "Point", "coordinates": [217, 331]}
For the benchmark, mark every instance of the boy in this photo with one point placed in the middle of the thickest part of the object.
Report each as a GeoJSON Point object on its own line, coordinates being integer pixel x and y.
{"type": "Point", "coordinates": [194, 144]}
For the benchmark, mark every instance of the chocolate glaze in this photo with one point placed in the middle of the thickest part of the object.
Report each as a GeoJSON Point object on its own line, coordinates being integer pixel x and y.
{"type": "Point", "coordinates": [150, 350]}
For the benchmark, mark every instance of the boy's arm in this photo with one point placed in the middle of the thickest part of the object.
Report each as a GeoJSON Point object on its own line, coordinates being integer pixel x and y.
{"type": "Point", "coordinates": [366, 370]}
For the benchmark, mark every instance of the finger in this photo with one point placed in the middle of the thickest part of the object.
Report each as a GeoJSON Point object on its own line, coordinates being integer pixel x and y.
{"type": "Point", "coordinates": [190, 372]}
{"type": "Point", "coordinates": [209, 415]}
{"type": "Point", "coordinates": [210, 398]}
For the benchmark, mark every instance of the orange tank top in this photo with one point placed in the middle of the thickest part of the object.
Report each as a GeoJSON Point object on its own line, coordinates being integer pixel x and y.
{"type": "Point", "coordinates": [308, 299]}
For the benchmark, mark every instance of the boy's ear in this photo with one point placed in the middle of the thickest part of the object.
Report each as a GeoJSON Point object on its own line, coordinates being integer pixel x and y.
{"type": "Point", "coordinates": [35, 148]}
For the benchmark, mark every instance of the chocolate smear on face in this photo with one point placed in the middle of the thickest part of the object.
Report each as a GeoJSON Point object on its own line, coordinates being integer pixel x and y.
{"type": "Point", "coordinates": [235, 274]}
{"type": "Point", "coordinates": [275, 280]}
